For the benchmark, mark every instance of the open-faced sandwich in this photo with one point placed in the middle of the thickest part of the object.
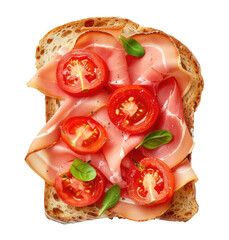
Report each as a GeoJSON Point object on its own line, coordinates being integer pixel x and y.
{"type": "Point", "coordinates": [120, 102]}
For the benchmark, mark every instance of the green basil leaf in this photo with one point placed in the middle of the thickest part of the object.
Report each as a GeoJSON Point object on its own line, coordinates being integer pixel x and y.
{"type": "Point", "coordinates": [82, 170]}
{"type": "Point", "coordinates": [111, 198]}
{"type": "Point", "coordinates": [132, 47]}
{"type": "Point", "coordinates": [156, 139]}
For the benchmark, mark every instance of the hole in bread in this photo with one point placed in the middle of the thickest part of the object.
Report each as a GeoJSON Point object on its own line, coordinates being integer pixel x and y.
{"type": "Point", "coordinates": [188, 214]}
{"type": "Point", "coordinates": [49, 40]}
{"type": "Point", "coordinates": [56, 197]}
{"type": "Point", "coordinates": [57, 211]}
{"type": "Point", "coordinates": [42, 51]}
{"type": "Point", "coordinates": [101, 24]}
{"type": "Point", "coordinates": [170, 213]}
{"type": "Point", "coordinates": [92, 214]}
{"type": "Point", "coordinates": [66, 33]}
{"type": "Point", "coordinates": [69, 40]}
{"type": "Point", "coordinates": [70, 207]}
{"type": "Point", "coordinates": [38, 48]}
{"type": "Point", "coordinates": [38, 57]}
{"type": "Point", "coordinates": [89, 23]}
{"type": "Point", "coordinates": [183, 66]}
{"type": "Point", "coordinates": [54, 49]}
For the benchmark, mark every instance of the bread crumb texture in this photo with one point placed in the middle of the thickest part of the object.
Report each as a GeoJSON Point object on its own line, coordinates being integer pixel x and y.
{"type": "Point", "coordinates": [184, 204]}
{"type": "Point", "coordinates": [57, 210]}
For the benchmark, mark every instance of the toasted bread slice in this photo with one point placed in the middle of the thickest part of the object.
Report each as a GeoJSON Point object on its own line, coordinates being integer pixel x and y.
{"type": "Point", "coordinates": [184, 204]}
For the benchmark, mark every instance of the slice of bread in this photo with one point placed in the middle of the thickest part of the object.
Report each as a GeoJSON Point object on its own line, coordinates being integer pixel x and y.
{"type": "Point", "coordinates": [184, 204]}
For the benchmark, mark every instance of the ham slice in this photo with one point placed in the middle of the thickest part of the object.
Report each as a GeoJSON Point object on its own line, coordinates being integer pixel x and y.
{"type": "Point", "coordinates": [114, 31]}
{"type": "Point", "coordinates": [45, 78]}
{"type": "Point", "coordinates": [111, 51]}
{"type": "Point", "coordinates": [50, 133]}
{"type": "Point", "coordinates": [138, 212]}
{"type": "Point", "coordinates": [119, 144]}
{"type": "Point", "coordinates": [126, 208]}
{"type": "Point", "coordinates": [47, 161]}
{"type": "Point", "coordinates": [161, 60]}
{"type": "Point", "coordinates": [171, 118]}
{"type": "Point", "coordinates": [70, 107]}
{"type": "Point", "coordinates": [183, 174]}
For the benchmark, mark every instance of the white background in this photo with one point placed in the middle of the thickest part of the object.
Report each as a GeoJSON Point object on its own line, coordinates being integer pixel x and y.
{"type": "Point", "coordinates": [200, 25]}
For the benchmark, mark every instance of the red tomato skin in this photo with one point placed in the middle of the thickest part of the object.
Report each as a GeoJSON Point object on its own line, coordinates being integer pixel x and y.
{"type": "Point", "coordinates": [149, 101]}
{"type": "Point", "coordinates": [95, 147]}
{"type": "Point", "coordinates": [92, 56]}
{"type": "Point", "coordinates": [168, 189]}
{"type": "Point", "coordinates": [67, 198]}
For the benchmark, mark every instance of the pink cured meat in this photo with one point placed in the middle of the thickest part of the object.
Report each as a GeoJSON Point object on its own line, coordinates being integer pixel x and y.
{"type": "Point", "coordinates": [50, 133]}
{"type": "Point", "coordinates": [53, 157]}
{"type": "Point", "coordinates": [171, 118]}
{"type": "Point", "coordinates": [161, 60]}
{"type": "Point", "coordinates": [128, 209]}
{"type": "Point", "coordinates": [119, 144]}
{"type": "Point", "coordinates": [111, 51]}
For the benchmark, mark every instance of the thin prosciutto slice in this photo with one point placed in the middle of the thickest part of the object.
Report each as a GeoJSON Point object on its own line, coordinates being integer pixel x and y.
{"type": "Point", "coordinates": [114, 31]}
{"type": "Point", "coordinates": [184, 174]}
{"type": "Point", "coordinates": [111, 51]}
{"type": "Point", "coordinates": [138, 212]}
{"type": "Point", "coordinates": [50, 133]}
{"type": "Point", "coordinates": [126, 208]}
{"type": "Point", "coordinates": [171, 118]}
{"type": "Point", "coordinates": [161, 60]}
{"type": "Point", "coordinates": [119, 144]}
{"type": "Point", "coordinates": [45, 78]}
{"type": "Point", "coordinates": [47, 161]}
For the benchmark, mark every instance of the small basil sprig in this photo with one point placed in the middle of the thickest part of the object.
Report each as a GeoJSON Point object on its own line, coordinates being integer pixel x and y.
{"type": "Point", "coordinates": [82, 170]}
{"type": "Point", "coordinates": [132, 47]}
{"type": "Point", "coordinates": [111, 198]}
{"type": "Point", "coordinates": [156, 139]}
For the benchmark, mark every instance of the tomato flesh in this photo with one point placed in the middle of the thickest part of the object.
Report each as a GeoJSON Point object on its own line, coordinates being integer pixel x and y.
{"type": "Point", "coordinates": [76, 192]}
{"type": "Point", "coordinates": [151, 182]}
{"type": "Point", "coordinates": [81, 72]}
{"type": "Point", "coordinates": [133, 109]}
{"type": "Point", "coordinates": [83, 134]}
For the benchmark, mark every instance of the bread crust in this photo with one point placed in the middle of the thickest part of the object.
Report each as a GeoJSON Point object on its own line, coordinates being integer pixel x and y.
{"type": "Point", "coordinates": [184, 205]}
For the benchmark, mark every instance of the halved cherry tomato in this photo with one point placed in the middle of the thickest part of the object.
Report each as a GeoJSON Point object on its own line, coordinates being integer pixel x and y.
{"type": "Point", "coordinates": [76, 192]}
{"type": "Point", "coordinates": [151, 182]}
{"type": "Point", "coordinates": [83, 134]}
{"type": "Point", "coordinates": [133, 109]}
{"type": "Point", "coordinates": [81, 72]}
